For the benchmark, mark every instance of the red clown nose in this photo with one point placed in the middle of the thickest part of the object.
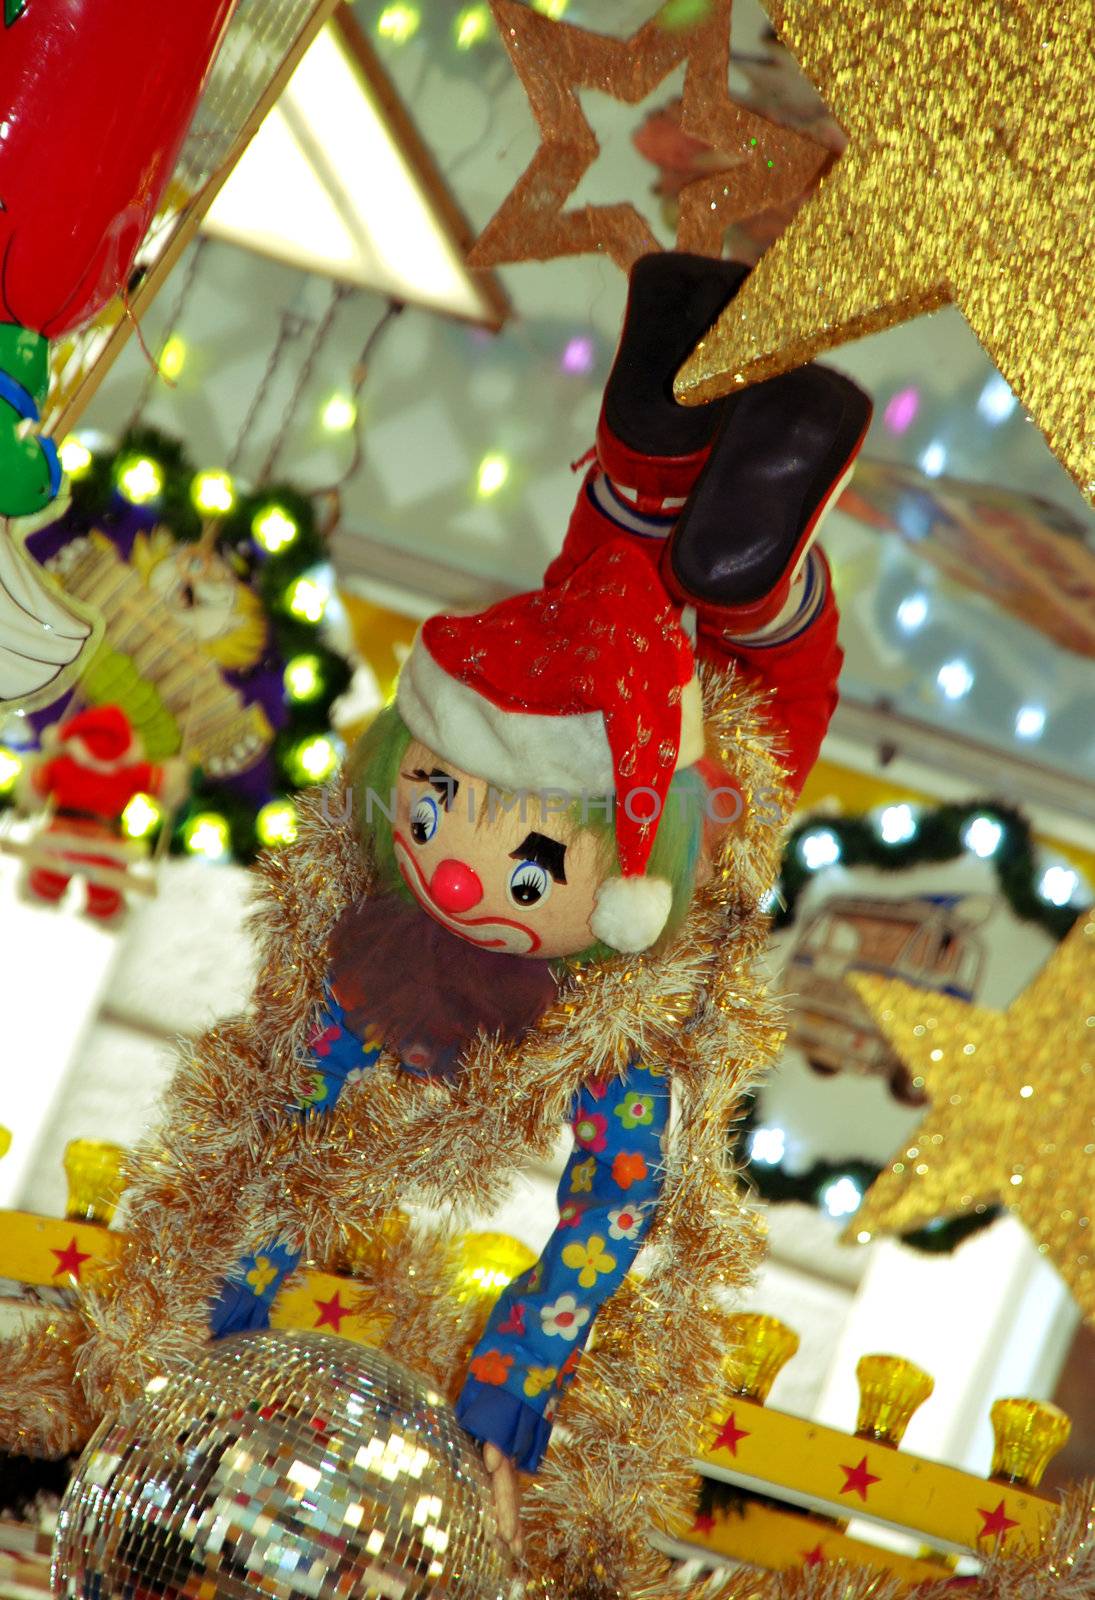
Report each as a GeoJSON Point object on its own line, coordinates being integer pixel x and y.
{"type": "Point", "coordinates": [455, 887]}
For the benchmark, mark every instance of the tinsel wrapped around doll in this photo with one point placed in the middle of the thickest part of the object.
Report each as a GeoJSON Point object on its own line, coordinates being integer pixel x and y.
{"type": "Point", "coordinates": [533, 900]}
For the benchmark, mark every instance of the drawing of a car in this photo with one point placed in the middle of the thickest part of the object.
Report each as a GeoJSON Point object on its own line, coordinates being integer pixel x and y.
{"type": "Point", "coordinates": [929, 940]}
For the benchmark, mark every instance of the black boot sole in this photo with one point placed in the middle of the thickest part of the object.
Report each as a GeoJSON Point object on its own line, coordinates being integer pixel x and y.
{"type": "Point", "coordinates": [783, 447]}
{"type": "Point", "coordinates": [673, 300]}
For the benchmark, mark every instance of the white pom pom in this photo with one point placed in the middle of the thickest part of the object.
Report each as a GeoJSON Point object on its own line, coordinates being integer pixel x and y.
{"type": "Point", "coordinates": [631, 912]}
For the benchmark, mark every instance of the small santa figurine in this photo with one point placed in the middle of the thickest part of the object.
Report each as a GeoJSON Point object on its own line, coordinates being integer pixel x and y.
{"type": "Point", "coordinates": [90, 768]}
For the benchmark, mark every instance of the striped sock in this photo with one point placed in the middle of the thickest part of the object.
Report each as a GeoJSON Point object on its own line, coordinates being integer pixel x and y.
{"type": "Point", "coordinates": [611, 504]}
{"type": "Point", "coordinates": [804, 603]}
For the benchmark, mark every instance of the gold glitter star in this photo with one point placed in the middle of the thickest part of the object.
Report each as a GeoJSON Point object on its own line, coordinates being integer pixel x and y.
{"type": "Point", "coordinates": [771, 165]}
{"type": "Point", "coordinates": [1013, 1109]}
{"type": "Point", "coordinates": [968, 177]}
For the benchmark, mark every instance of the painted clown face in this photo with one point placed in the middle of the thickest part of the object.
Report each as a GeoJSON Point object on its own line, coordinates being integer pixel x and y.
{"type": "Point", "coordinates": [514, 877]}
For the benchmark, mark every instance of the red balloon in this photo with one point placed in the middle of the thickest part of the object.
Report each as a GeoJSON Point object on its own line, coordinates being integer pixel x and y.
{"type": "Point", "coordinates": [95, 98]}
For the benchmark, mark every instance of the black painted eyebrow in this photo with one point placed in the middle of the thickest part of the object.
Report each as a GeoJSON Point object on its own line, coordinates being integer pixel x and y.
{"type": "Point", "coordinates": [444, 782]}
{"type": "Point", "coordinates": [547, 853]}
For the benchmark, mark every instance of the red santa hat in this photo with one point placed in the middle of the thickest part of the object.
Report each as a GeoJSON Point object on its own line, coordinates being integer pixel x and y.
{"type": "Point", "coordinates": [588, 687]}
{"type": "Point", "coordinates": [103, 735]}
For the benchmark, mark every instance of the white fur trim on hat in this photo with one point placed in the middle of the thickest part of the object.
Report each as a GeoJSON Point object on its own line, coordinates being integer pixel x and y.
{"type": "Point", "coordinates": [511, 749]}
{"type": "Point", "coordinates": [518, 749]}
{"type": "Point", "coordinates": [631, 913]}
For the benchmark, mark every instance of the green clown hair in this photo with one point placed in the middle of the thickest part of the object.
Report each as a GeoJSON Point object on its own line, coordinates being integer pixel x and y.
{"type": "Point", "coordinates": [373, 770]}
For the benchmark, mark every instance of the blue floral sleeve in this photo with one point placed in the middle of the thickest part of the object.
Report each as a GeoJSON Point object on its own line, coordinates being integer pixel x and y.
{"type": "Point", "coordinates": [339, 1058]}
{"type": "Point", "coordinates": [539, 1327]}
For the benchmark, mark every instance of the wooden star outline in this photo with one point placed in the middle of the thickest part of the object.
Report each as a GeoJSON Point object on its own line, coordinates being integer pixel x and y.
{"type": "Point", "coordinates": [968, 178]}
{"type": "Point", "coordinates": [1012, 1116]}
{"type": "Point", "coordinates": [771, 164]}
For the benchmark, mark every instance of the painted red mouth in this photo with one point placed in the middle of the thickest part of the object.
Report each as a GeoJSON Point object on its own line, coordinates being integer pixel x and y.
{"type": "Point", "coordinates": [414, 879]}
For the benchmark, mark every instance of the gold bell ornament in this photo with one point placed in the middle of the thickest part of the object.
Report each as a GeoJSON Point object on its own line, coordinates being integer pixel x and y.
{"type": "Point", "coordinates": [1029, 1433]}
{"type": "Point", "coordinates": [370, 1253]}
{"type": "Point", "coordinates": [761, 1347]}
{"type": "Point", "coordinates": [96, 1180]}
{"type": "Point", "coordinates": [890, 1390]}
{"type": "Point", "coordinates": [487, 1263]}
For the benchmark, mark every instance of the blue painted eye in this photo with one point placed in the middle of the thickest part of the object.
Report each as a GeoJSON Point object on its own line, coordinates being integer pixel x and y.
{"type": "Point", "coordinates": [529, 884]}
{"type": "Point", "coordinates": [424, 819]}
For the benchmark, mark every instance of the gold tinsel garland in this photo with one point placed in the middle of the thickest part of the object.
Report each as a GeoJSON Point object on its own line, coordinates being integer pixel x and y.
{"type": "Point", "coordinates": [227, 1171]}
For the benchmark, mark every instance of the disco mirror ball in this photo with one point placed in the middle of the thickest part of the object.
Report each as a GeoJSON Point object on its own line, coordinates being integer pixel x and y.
{"type": "Point", "coordinates": [281, 1465]}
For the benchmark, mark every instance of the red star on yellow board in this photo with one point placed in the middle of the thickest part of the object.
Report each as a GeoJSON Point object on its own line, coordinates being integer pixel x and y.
{"type": "Point", "coordinates": [857, 1480]}
{"type": "Point", "coordinates": [814, 1557]}
{"type": "Point", "coordinates": [70, 1259]}
{"type": "Point", "coordinates": [995, 1524]}
{"type": "Point", "coordinates": [331, 1313]}
{"type": "Point", "coordinates": [770, 165]}
{"type": "Point", "coordinates": [730, 1435]}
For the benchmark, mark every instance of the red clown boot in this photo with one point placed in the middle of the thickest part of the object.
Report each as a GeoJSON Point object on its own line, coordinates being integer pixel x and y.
{"type": "Point", "coordinates": [727, 498]}
{"type": "Point", "coordinates": [650, 450]}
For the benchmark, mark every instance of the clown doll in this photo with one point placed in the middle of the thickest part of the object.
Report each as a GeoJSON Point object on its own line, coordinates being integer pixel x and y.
{"type": "Point", "coordinates": [538, 795]}
{"type": "Point", "coordinates": [555, 845]}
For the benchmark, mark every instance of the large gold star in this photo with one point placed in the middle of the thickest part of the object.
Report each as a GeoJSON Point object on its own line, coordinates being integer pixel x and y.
{"type": "Point", "coordinates": [968, 177]}
{"type": "Point", "coordinates": [771, 165]}
{"type": "Point", "coordinates": [1013, 1109]}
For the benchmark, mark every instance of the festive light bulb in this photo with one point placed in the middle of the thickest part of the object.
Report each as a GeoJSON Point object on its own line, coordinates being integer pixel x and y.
{"type": "Point", "coordinates": [213, 493]}
{"type": "Point", "coordinates": [897, 824]}
{"type": "Point", "coordinates": [398, 22]}
{"type": "Point", "coordinates": [303, 679]}
{"type": "Point", "coordinates": [901, 410]}
{"type": "Point", "coordinates": [173, 357]}
{"type": "Point", "coordinates": [759, 1347]}
{"type": "Point", "coordinates": [819, 848]}
{"type": "Point", "coordinates": [955, 678]}
{"type": "Point", "coordinates": [139, 478]}
{"type": "Point", "coordinates": [471, 26]}
{"type": "Point", "coordinates": [273, 528]}
{"type": "Point", "coordinates": [1030, 722]}
{"type": "Point", "coordinates": [890, 1390]}
{"type": "Point", "coordinates": [842, 1197]}
{"type": "Point", "coordinates": [11, 766]}
{"type": "Point", "coordinates": [339, 414]}
{"type": "Point", "coordinates": [912, 613]}
{"type": "Point", "coordinates": [75, 456]}
{"type": "Point", "coordinates": [141, 816]}
{"type": "Point", "coordinates": [493, 472]}
{"type": "Point", "coordinates": [307, 599]}
{"type": "Point", "coordinates": [550, 8]}
{"type": "Point", "coordinates": [768, 1146]}
{"type": "Point", "coordinates": [1058, 885]}
{"type": "Point", "coordinates": [207, 834]}
{"type": "Point", "coordinates": [996, 401]}
{"type": "Point", "coordinates": [276, 823]}
{"type": "Point", "coordinates": [983, 835]}
{"type": "Point", "coordinates": [314, 759]}
{"type": "Point", "coordinates": [933, 459]}
{"type": "Point", "coordinates": [95, 1171]}
{"type": "Point", "coordinates": [1027, 1434]}
{"type": "Point", "coordinates": [579, 354]}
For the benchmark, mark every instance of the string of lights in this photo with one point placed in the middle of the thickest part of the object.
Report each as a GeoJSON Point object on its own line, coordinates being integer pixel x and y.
{"type": "Point", "coordinates": [270, 537]}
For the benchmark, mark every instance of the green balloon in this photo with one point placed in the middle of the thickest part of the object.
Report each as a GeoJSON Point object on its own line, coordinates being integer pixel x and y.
{"type": "Point", "coordinates": [29, 473]}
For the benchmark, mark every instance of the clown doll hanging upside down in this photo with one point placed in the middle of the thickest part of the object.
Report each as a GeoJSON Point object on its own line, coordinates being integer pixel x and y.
{"type": "Point", "coordinates": [541, 907]}
{"type": "Point", "coordinates": [506, 862]}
